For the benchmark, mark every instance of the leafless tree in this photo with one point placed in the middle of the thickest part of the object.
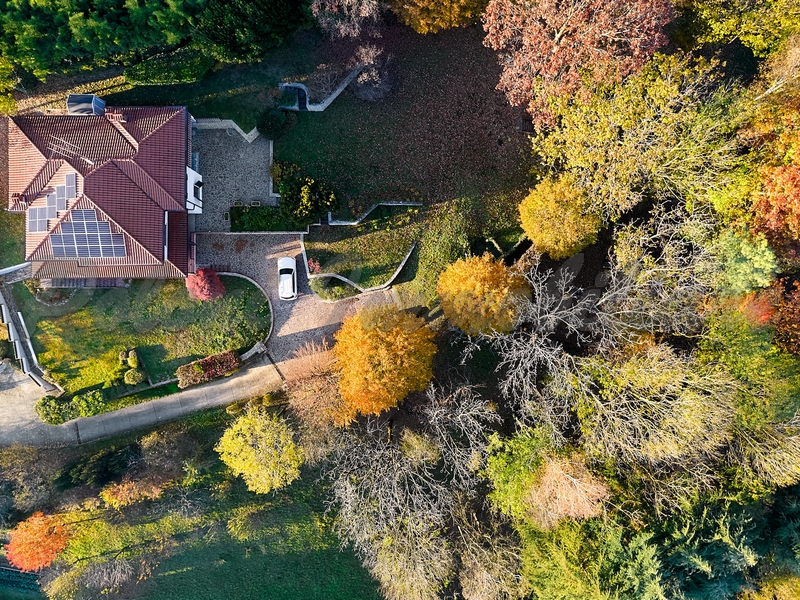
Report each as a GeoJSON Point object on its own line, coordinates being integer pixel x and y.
{"type": "Point", "coordinates": [109, 575]}
{"type": "Point", "coordinates": [556, 310]}
{"type": "Point", "coordinates": [457, 418]}
{"type": "Point", "coordinates": [375, 80]}
{"type": "Point", "coordinates": [348, 18]}
{"type": "Point", "coordinates": [771, 453]}
{"type": "Point", "coordinates": [782, 68]}
{"type": "Point", "coordinates": [661, 273]}
{"type": "Point", "coordinates": [658, 409]}
{"type": "Point", "coordinates": [392, 509]}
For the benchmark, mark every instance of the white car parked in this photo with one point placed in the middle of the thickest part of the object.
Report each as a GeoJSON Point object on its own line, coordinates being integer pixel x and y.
{"type": "Point", "coordinates": [287, 278]}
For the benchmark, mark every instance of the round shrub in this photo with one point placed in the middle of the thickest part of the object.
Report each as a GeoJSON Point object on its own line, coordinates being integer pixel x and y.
{"type": "Point", "coordinates": [123, 357]}
{"type": "Point", "coordinates": [50, 410]}
{"type": "Point", "coordinates": [133, 377]}
{"type": "Point", "coordinates": [556, 219]}
{"type": "Point", "coordinates": [274, 122]}
{"type": "Point", "coordinates": [133, 359]}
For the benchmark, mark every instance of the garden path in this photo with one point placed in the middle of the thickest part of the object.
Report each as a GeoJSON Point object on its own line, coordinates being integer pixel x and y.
{"type": "Point", "coordinates": [19, 423]}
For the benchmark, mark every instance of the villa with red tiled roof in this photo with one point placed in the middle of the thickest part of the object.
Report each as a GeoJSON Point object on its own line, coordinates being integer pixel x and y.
{"type": "Point", "coordinates": [108, 192]}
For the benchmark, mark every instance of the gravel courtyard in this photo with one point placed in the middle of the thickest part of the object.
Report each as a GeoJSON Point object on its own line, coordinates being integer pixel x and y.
{"type": "Point", "coordinates": [233, 170]}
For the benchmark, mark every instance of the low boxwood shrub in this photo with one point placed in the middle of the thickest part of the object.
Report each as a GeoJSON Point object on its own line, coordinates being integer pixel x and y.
{"type": "Point", "coordinates": [51, 410]}
{"type": "Point", "coordinates": [207, 369]}
{"type": "Point", "coordinates": [331, 288]}
{"type": "Point", "coordinates": [133, 377]}
{"type": "Point", "coordinates": [185, 65]}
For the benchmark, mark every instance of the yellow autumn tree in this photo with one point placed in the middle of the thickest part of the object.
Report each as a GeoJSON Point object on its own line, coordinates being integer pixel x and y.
{"type": "Point", "coordinates": [259, 447]}
{"type": "Point", "coordinates": [382, 355]}
{"type": "Point", "coordinates": [557, 219]}
{"type": "Point", "coordinates": [430, 16]}
{"type": "Point", "coordinates": [477, 294]}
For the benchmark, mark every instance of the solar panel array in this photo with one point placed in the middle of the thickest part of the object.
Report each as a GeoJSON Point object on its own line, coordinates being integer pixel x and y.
{"type": "Point", "coordinates": [37, 219]}
{"type": "Point", "coordinates": [86, 237]}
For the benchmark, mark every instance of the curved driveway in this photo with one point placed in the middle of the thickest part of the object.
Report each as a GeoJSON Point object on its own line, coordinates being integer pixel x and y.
{"type": "Point", "coordinates": [294, 322]}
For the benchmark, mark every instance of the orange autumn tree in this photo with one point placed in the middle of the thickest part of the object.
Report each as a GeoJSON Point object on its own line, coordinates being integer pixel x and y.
{"type": "Point", "coordinates": [382, 355]}
{"type": "Point", "coordinates": [477, 294]}
{"type": "Point", "coordinates": [37, 541]}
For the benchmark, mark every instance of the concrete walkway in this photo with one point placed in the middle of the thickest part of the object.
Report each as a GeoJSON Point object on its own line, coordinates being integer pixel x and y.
{"type": "Point", "coordinates": [21, 425]}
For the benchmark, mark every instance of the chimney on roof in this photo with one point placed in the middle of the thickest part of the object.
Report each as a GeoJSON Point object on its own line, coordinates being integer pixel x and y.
{"type": "Point", "coordinates": [85, 104]}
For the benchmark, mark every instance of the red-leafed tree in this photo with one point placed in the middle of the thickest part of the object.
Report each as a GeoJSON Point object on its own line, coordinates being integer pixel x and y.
{"type": "Point", "coordinates": [548, 46]}
{"type": "Point", "coordinates": [205, 285]}
{"type": "Point", "coordinates": [777, 210]}
{"type": "Point", "coordinates": [37, 541]}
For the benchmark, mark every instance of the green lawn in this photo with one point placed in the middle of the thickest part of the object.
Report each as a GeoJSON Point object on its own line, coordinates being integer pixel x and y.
{"type": "Point", "coordinates": [238, 92]}
{"type": "Point", "coordinates": [368, 253]}
{"type": "Point", "coordinates": [79, 342]}
{"type": "Point", "coordinates": [443, 132]}
{"type": "Point", "coordinates": [287, 552]}
{"type": "Point", "coordinates": [12, 238]}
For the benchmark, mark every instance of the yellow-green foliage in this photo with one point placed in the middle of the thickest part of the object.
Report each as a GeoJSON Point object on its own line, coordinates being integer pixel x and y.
{"type": "Point", "coordinates": [477, 294]}
{"type": "Point", "coordinates": [382, 356]}
{"type": "Point", "coordinates": [780, 587]}
{"type": "Point", "coordinates": [259, 448]}
{"type": "Point", "coordinates": [430, 16]}
{"type": "Point", "coordinates": [556, 218]}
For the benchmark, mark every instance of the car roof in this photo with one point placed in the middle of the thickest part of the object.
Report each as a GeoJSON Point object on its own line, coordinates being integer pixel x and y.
{"type": "Point", "coordinates": [287, 262]}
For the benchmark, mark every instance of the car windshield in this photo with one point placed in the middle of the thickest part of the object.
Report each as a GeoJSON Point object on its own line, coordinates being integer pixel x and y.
{"type": "Point", "coordinates": [285, 271]}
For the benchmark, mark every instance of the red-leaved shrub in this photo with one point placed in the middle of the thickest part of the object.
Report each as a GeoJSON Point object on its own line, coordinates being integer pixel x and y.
{"type": "Point", "coordinates": [207, 369]}
{"type": "Point", "coordinates": [205, 285]}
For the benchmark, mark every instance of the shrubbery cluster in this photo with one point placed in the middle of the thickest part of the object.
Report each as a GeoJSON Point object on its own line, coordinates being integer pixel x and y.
{"type": "Point", "coordinates": [208, 369]}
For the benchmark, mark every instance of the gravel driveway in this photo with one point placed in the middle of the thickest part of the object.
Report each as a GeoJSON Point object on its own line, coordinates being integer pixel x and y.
{"type": "Point", "coordinates": [294, 322]}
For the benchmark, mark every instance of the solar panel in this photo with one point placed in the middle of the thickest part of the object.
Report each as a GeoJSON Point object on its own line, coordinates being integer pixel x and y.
{"type": "Point", "coordinates": [52, 212]}
{"type": "Point", "coordinates": [72, 188]}
{"type": "Point", "coordinates": [85, 237]}
{"type": "Point", "coordinates": [37, 219]}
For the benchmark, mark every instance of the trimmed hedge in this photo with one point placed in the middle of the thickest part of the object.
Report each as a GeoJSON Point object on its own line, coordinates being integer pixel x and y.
{"type": "Point", "coordinates": [55, 411]}
{"type": "Point", "coordinates": [208, 369]}
{"type": "Point", "coordinates": [182, 66]}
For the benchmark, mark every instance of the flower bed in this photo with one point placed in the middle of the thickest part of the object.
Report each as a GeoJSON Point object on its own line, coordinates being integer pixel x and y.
{"type": "Point", "coordinates": [208, 369]}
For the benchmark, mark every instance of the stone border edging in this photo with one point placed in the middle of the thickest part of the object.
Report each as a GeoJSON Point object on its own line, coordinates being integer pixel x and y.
{"type": "Point", "coordinates": [216, 123]}
{"type": "Point", "coordinates": [332, 221]}
{"type": "Point", "coordinates": [320, 106]}
{"type": "Point", "coordinates": [361, 290]}
{"type": "Point", "coordinates": [255, 283]}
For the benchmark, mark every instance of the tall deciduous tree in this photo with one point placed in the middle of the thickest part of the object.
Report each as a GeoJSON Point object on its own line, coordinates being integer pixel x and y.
{"type": "Point", "coordinates": [430, 16]}
{"type": "Point", "coordinates": [260, 448]}
{"type": "Point", "coordinates": [665, 131]}
{"type": "Point", "coordinates": [547, 47]}
{"type": "Point", "coordinates": [37, 541]}
{"type": "Point", "coordinates": [557, 219]}
{"type": "Point", "coordinates": [382, 355]}
{"type": "Point", "coordinates": [478, 294]}
{"type": "Point", "coordinates": [346, 18]}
